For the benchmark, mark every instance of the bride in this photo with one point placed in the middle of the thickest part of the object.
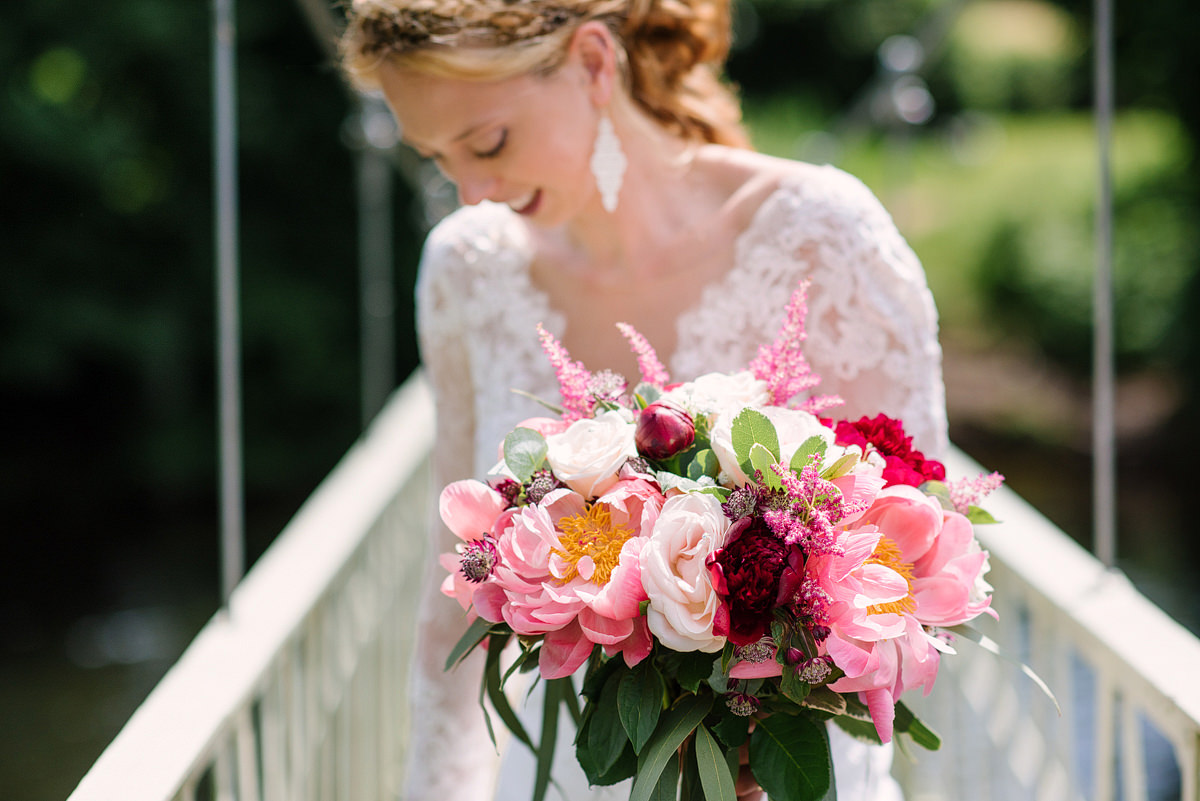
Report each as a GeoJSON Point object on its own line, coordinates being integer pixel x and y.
{"type": "Point", "coordinates": [605, 178]}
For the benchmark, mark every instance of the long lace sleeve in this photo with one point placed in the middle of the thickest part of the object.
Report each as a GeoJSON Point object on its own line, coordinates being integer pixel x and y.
{"type": "Point", "coordinates": [450, 756]}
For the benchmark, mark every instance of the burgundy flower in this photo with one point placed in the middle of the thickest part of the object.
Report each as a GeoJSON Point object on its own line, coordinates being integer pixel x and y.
{"type": "Point", "coordinates": [754, 573]}
{"type": "Point", "coordinates": [664, 430]}
{"type": "Point", "coordinates": [904, 464]}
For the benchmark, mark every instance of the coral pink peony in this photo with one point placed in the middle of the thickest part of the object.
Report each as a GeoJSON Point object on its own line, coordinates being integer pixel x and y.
{"type": "Point", "coordinates": [571, 570]}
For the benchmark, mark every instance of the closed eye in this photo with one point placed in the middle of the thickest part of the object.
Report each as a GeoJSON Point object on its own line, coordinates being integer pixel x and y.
{"type": "Point", "coordinates": [495, 151]}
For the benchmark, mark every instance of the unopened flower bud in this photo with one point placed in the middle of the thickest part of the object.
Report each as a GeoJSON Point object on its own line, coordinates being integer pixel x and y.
{"type": "Point", "coordinates": [814, 671]}
{"type": "Point", "coordinates": [794, 655]}
{"type": "Point", "coordinates": [664, 430]}
{"type": "Point", "coordinates": [741, 704]}
{"type": "Point", "coordinates": [821, 633]}
{"type": "Point", "coordinates": [478, 560]}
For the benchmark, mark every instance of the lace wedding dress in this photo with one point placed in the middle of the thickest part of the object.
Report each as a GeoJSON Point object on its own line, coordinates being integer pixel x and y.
{"type": "Point", "coordinates": [872, 337]}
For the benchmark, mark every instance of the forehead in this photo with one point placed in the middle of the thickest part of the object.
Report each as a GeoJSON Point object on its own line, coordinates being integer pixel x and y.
{"type": "Point", "coordinates": [433, 110]}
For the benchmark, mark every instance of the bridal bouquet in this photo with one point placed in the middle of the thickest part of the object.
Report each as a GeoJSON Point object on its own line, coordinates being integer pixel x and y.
{"type": "Point", "coordinates": [730, 567]}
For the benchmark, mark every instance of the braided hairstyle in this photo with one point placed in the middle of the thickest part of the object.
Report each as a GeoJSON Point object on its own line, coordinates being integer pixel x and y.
{"type": "Point", "coordinates": [671, 52]}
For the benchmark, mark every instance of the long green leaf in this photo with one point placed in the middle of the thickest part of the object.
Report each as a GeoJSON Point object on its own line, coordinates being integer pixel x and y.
{"type": "Point", "coordinates": [640, 702]}
{"type": "Point", "coordinates": [667, 786]}
{"type": "Point", "coordinates": [606, 737]}
{"type": "Point", "coordinates": [492, 680]}
{"type": "Point", "coordinates": [474, 635]}
{"type": "Point", "coordinates": [911, 725]}
{"type": "Point", "coordinates": [545, 751]}
{"type": "Point", "coordinates": [673, 729]}
{"type": "Point", "coordinates": [988, 644]}
{"type": "Point", "coordinates": [789, 755]}
{"type": "Point", "coordinates": [714, 769]}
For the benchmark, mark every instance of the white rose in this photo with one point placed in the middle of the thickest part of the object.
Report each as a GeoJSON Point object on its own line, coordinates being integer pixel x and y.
{"type": "Point", "coordinates": [793, 428]}
{"type": "Point", "coordinates": [589, 454]}
{"type": "Point", "coordinates": [683, 603]}
{"type": "Point", "coordinates": [714, 393]}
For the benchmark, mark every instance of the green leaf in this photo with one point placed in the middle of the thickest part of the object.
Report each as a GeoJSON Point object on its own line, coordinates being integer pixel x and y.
{"type": "Point", "coordinates": [911, 725]}
{"type": "Point", "coordinates": [715, 777]}
{"type": "Point", "coordinates": [859, 729]}
{"type": "Point", "coordinates": [673, 729]}
{"type": "Point", "coordinates": [840, 468]}
{"type": "Point", "coordinates": [606, 734]}
{"type": "Point", "coordinates": [749, 428]}
{"type": "Point", "coordinates": [667, 786]}
{"type": "Point", "coordinates": [692, 668]}
{"type": "Point", "coordinates": [792, 687]}
{"type": "Point", "coordinates": [732, 730]}
{"type": "Point", "coordinates": [803, 454]}
{"type": "Point", "coordinates": [980, 517]}
{"type": "Point", "coordinates": [826, 700]}
{"type": "Point", "coordinates": [704, 463]}
{"type": "Point", "coordinates": [624, 767]}
{"type": "Point", "coordinates": [640, 702]}
{"type": "Point", "coordinates": [545, 752]}
{"type": "Point", "coordinates": [761, 460]}
{"type": "Point", "coordinates": [524, 452]}
{"type": "Point", "coordinates": [474, 635]}
{"type": "Point", "coordinates": [789, 756]}
{"type": "Point", "coordinates": [493, 682]}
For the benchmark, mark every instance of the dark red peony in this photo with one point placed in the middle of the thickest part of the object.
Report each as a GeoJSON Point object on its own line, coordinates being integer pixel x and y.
{"type": "Point", "coordinates": [754, 573]}
{"type": "Point", "coordinates": [904, 464]}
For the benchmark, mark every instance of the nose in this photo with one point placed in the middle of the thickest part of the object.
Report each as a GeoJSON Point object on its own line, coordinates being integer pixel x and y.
{"type": "Point", "coordinates": [473, 189]}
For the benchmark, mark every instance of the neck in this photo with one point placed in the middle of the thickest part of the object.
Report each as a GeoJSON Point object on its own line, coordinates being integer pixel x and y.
{"type": "Point", "coordinates": [657, 202]}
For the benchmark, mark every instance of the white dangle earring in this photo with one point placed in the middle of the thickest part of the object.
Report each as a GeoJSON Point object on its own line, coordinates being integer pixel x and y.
{"type": "Point", "coordinates": [608, 163]}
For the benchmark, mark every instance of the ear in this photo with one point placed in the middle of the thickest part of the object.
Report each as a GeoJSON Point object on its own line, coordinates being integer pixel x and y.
{"type": "Point", "coordinates": [593, 48]}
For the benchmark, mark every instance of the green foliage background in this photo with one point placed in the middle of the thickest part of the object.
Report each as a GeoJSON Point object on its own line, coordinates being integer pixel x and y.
{"type": "Point", "coordinates": [107, 478]}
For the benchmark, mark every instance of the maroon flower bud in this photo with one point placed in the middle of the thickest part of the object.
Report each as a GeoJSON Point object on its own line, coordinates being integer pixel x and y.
{"type": "Point", "coordinates": [664, 430]}
{"type": "Point", "coordinates": [794, 655]}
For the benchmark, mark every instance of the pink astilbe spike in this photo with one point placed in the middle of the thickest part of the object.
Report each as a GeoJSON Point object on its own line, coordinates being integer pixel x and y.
{"type": "Point", "coordinates": [649, 366]}
{"type": "Point", "coordinates": [968, 492]}
{"type": "Point", "coordinates": [574, 379]}
{"type": "Point", "coordinates": [783, 366]}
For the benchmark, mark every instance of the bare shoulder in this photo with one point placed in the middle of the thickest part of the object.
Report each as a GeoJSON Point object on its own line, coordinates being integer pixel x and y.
{"type": "Point", "coordinates": [748, 179]}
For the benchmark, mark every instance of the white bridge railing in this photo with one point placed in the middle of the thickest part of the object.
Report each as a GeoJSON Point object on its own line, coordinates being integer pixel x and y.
{"type": "Point", "coordinates": [298, 691]}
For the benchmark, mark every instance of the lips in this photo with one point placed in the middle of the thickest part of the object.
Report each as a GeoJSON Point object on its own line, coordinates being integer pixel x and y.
{"type": "Point", "coordinates": [526, 204]}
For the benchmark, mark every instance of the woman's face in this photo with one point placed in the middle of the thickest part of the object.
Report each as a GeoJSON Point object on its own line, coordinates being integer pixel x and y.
{"type": "Point", "coordinates": [524, 141]}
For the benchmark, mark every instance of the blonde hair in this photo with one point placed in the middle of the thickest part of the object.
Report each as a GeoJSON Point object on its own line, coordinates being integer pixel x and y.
{"type": "Point", "coordinates": [672, 52]}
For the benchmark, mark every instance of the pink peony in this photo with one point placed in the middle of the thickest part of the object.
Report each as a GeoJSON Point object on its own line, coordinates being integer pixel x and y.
{"type": "Point", "coordinates": [571, 570]}
{"type": "Point", "coordinates": [907, 564]}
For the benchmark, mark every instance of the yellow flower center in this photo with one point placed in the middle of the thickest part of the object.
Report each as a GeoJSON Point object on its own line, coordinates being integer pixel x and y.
{"type": "Point", "coordinates": [591, 544]}
{"type": "Point", "coordinates": [887, 553]}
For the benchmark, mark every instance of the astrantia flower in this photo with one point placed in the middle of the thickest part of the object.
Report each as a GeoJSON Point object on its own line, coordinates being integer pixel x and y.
{"type": "Point", "coordinates": [754, 573]}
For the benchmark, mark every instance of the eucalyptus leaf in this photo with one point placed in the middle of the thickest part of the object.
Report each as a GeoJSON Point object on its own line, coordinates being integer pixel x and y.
{"type": "Point", "coordinates": [803, 455]}
{"type": "Point", "coordinates": [667, 786]}
{"type": "Point", "coordinates": [980, 517]}
{"type": "Point", "coordinates": [640, 702]}
{"type": "Point", "coordinates": [840, 468]}
{"type": "Point", "coordinates": [789, 756]}
{"type": "Point", "coordinates": [704, 463]}
{"type": "Point", "coordinates": [715, 777]}
{"type": "Point", "coordinates": [646, 394]}
{"type": "Point", "coordinates": [673, 729]}
{"type": "Point", "coordinates": [524, 452]}
{"type": "Point", "coordinates": [752, 427]}
{"type": "Point", "coordinates": [761, 460]}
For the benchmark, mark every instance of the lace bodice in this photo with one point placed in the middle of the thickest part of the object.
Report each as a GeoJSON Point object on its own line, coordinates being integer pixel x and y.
{"type": "Point", "coordinates": [872, 337]}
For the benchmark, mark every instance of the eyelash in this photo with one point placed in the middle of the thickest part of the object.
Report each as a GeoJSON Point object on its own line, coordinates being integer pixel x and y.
{"type": "Point", "coordinates": [495, 151]}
